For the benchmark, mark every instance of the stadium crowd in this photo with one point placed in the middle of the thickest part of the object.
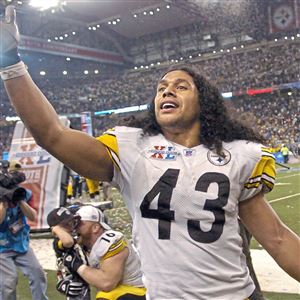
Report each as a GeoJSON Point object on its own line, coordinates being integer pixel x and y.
{"type": "Point", "coordinates": [259, 66]}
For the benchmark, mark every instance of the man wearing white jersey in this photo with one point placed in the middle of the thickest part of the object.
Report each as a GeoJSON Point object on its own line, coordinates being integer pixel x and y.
{"type": "Point", "coordinates": [114, 266]}
{"type": "Point", "coordinates": [186, 172]}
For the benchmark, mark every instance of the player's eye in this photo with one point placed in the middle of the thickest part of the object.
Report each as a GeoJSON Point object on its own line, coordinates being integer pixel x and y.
{"type": "Point", "coordinates": [161, 88]}
{"type": "Point", "coordinates": [182, 87]}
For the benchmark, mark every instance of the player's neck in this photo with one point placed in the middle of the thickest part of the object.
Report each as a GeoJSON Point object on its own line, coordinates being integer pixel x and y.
{"type": "Point", "coordinates": [186, 137]}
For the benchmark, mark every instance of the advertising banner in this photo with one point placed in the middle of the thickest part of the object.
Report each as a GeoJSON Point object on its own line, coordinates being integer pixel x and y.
{"type": "Point", "coordinates": [43, 172]}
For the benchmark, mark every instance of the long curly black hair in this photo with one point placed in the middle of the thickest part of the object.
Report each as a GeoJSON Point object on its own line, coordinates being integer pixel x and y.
{"type": "Point", "coordinates": [216, 125]}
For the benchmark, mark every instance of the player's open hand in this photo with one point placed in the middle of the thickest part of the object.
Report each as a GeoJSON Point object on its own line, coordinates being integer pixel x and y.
{"type": "Point", "coordinates": [9, 38]}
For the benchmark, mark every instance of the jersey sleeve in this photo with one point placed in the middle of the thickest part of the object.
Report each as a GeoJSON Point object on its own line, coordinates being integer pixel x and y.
{"type": "Point", "coordinates": [109, 244]}
{"type": "Point", "coordinates": [262, 175]}
{"type": "Point", "coordinates": [109, 140]}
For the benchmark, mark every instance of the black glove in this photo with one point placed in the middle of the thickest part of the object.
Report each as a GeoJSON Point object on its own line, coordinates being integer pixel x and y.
{"type": "Point", "coordinates": [70, 288]}
{"type": "Point", "coordinates": [9, 38]}
{"type": "Point", "coordinates": [74, 258]}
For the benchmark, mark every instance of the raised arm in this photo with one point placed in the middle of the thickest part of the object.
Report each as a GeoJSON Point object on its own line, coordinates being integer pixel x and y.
{"type": "Point", "coordinates": [28, 211]}
{"type": "Point", "coordinates": [79, 151]}
{"type": "Point", "coordinates": [65, 237]}
{"type": "Point", "coordinates": [280, 242]}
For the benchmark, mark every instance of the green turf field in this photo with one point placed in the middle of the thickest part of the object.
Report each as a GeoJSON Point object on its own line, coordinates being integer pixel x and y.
{"type": "Point", "coordinates": [24, 291]}
{"type": "Point", "coordinates": [285, 199]}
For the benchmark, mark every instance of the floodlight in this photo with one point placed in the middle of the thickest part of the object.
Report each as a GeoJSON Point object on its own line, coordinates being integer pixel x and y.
{"type": "Point", "coordinates": [44, 4]}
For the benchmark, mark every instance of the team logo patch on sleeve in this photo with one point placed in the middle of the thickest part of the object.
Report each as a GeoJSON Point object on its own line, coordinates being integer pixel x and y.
{"type": "Point", "coordinates": [218, 160]}
{"type": "Point", "coordinates": [163, 153]}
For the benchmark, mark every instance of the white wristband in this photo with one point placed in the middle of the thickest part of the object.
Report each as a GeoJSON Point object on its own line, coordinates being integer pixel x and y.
{"type": "Point", "coordinates": [14, 71]}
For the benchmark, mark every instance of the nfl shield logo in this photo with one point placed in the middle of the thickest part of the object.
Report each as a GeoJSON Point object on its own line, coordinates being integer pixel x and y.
{"type": "Point", "coordinates": [189, 152]}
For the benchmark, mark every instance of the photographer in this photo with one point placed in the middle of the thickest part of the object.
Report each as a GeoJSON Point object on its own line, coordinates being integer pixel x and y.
{"type": "Point", "coordinates": [14, 237]}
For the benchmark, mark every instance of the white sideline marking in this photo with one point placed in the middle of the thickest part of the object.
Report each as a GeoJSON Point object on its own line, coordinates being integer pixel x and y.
{"type": "Point", "coordinates": [270, 276]}
{"type": "Point", "coordinates": [283, 177]}
{"type": "Point", "coordinates": [283, 183]}
{"type": "Point", "coordinates": [282, 198]}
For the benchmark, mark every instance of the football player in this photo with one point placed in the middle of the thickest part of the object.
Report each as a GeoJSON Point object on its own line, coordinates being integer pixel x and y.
{"type": "Point", "coordinates": [186, 172]}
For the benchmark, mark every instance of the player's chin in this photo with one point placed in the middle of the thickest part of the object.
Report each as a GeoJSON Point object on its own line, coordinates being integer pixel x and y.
{"type": "Point", "coordinates": [168, 120]}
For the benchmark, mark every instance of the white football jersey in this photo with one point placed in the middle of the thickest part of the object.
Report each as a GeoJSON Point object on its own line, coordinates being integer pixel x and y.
{"type": "Point", "coordinates": [184, 206]}
{"type": "Point", "coordinates": [110, 243]}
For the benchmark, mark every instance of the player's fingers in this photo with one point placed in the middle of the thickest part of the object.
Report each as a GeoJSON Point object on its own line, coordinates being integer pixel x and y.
{"type": "Point", "coordinates": [10, 14]}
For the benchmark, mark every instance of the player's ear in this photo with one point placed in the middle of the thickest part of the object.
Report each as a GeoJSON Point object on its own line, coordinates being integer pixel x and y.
{"type": "Point", "coordinates": [10, 14]}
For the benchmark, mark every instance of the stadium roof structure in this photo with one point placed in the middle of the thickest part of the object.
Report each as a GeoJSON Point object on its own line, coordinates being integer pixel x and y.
{"type": "Point", "coordinates": [137, 18]}
{"type": "Point", "coordinates": [116, 25]}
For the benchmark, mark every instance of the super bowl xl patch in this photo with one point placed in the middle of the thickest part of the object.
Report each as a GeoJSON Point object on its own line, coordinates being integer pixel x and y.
{"type": "Point", "coordinates": [163, 153]}
{"type": "Point", "coordinates": [217, 159]}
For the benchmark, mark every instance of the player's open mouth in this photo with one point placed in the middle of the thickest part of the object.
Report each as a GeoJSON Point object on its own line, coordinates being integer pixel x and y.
{"type": "Point", "coordinates": [167, 105]}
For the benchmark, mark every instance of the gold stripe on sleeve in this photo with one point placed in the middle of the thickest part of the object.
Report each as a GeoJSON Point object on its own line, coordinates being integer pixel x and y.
{"type": "Point", "coordinates": [115, 249]}
{"type": "Point", "coordinates": [264, 172]}
{"type": "Point", "coordinates": [110, 141]}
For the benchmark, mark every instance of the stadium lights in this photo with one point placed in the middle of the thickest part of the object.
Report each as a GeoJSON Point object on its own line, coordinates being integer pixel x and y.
{"type": "Point", "coordinates": [42, 73]}
{"type": "Point", "coordinates": [43, 4]}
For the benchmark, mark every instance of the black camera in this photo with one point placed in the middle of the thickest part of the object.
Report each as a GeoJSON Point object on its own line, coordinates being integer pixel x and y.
{"type": "Point", "coordinates": [9, 180]}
